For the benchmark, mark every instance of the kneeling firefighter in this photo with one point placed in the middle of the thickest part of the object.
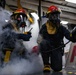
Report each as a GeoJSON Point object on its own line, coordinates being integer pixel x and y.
{"type": "Point", "coordinates": [12, 37]}
{"type": "Point", "coordinates": [52, 34]}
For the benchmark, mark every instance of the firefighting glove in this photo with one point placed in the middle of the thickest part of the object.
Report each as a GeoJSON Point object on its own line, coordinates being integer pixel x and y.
{"type": "Point", "coordinates": [25, 37]}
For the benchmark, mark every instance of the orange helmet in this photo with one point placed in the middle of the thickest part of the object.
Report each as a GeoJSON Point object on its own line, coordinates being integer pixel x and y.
{"type": "Point", "coordinates": [19, 11]}
{"type": "Point", "coordinates": [53, 9]}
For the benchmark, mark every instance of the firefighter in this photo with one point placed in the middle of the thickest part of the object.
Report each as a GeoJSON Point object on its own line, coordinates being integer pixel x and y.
{"type": "Point", "coordinates": [51, 38]}
{"type": "Point", "coordinates": [20, 20]}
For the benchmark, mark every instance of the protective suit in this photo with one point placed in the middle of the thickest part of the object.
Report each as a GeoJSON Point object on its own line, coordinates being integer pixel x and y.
{"type": "Point", "coordinates": [52, 34]}
{"type": "Point", "coordinates": [11, 39]}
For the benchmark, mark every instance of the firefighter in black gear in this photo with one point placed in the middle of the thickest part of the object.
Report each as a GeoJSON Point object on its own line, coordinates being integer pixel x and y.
{"type": "Point", "coordinates": [52, 34]}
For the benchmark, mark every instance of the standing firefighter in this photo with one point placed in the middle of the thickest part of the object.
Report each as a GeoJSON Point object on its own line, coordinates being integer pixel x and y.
{"type": "Point", "coordinates": [52, 34]}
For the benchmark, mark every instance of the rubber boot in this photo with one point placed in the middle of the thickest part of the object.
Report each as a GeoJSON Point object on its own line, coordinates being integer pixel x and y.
{"type": "Point", "coordinates": [46, 68]}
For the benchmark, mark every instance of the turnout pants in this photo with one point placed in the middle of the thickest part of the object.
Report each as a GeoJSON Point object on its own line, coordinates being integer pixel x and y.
{"type": "Point", "coordinates": [55, 56]}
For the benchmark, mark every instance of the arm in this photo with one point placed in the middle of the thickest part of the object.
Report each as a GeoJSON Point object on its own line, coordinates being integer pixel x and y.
{"type": "Point", "coordinates": [39, 39]}
{"type": "Point", "coordinates": [25, 37]}
{"type": "Point", "coordinates": [40, 36]}
{"type": "Point", "coordinates": [73, 34]}
{"type": "Point", "coordinates": [69, 35]}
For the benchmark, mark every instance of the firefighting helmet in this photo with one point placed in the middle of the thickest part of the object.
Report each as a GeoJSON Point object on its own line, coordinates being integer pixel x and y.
{"type": "Point", "coordinates": [19, 11]}
{"type": "Point", "coordinates": [22, 12]}
{"type": "Point", "coordinates": [52, 9]}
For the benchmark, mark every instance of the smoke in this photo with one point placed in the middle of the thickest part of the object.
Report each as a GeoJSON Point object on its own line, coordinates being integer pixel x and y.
{"type": "Point", "coordinates": [32, 62]}
{"type": "Point", "coordinates": [4, 17]}
{"type": "Point", "coordinates": [34, 32]}
{"type": "Point", "coordinates": [23, 66]}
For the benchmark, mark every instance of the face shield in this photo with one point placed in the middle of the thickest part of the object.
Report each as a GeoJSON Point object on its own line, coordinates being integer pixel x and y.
{"type": "Point", "coordinates": [20, 21]}
{"type": "Point", "coordinates": [54, 18]}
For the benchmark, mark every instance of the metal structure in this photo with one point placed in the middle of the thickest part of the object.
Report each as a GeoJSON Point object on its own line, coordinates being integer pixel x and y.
{"type": "Point", "coordinates": [68, 9]}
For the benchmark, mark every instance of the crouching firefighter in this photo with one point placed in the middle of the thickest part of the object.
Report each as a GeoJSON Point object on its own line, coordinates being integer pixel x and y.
{"type": "Point", "coordinates": [51, 38]}
{"type": "Point", "coordinates": [14, 34]}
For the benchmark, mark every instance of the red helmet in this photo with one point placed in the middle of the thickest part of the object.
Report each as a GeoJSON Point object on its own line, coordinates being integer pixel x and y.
{"type": "Point", "coordinates": [53, 9]}
{"type": "Point", "coordinates": [20, 11]}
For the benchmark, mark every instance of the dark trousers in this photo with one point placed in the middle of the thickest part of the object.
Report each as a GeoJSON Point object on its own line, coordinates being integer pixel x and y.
{"type": "Point", "coordinates": [55, 57]}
